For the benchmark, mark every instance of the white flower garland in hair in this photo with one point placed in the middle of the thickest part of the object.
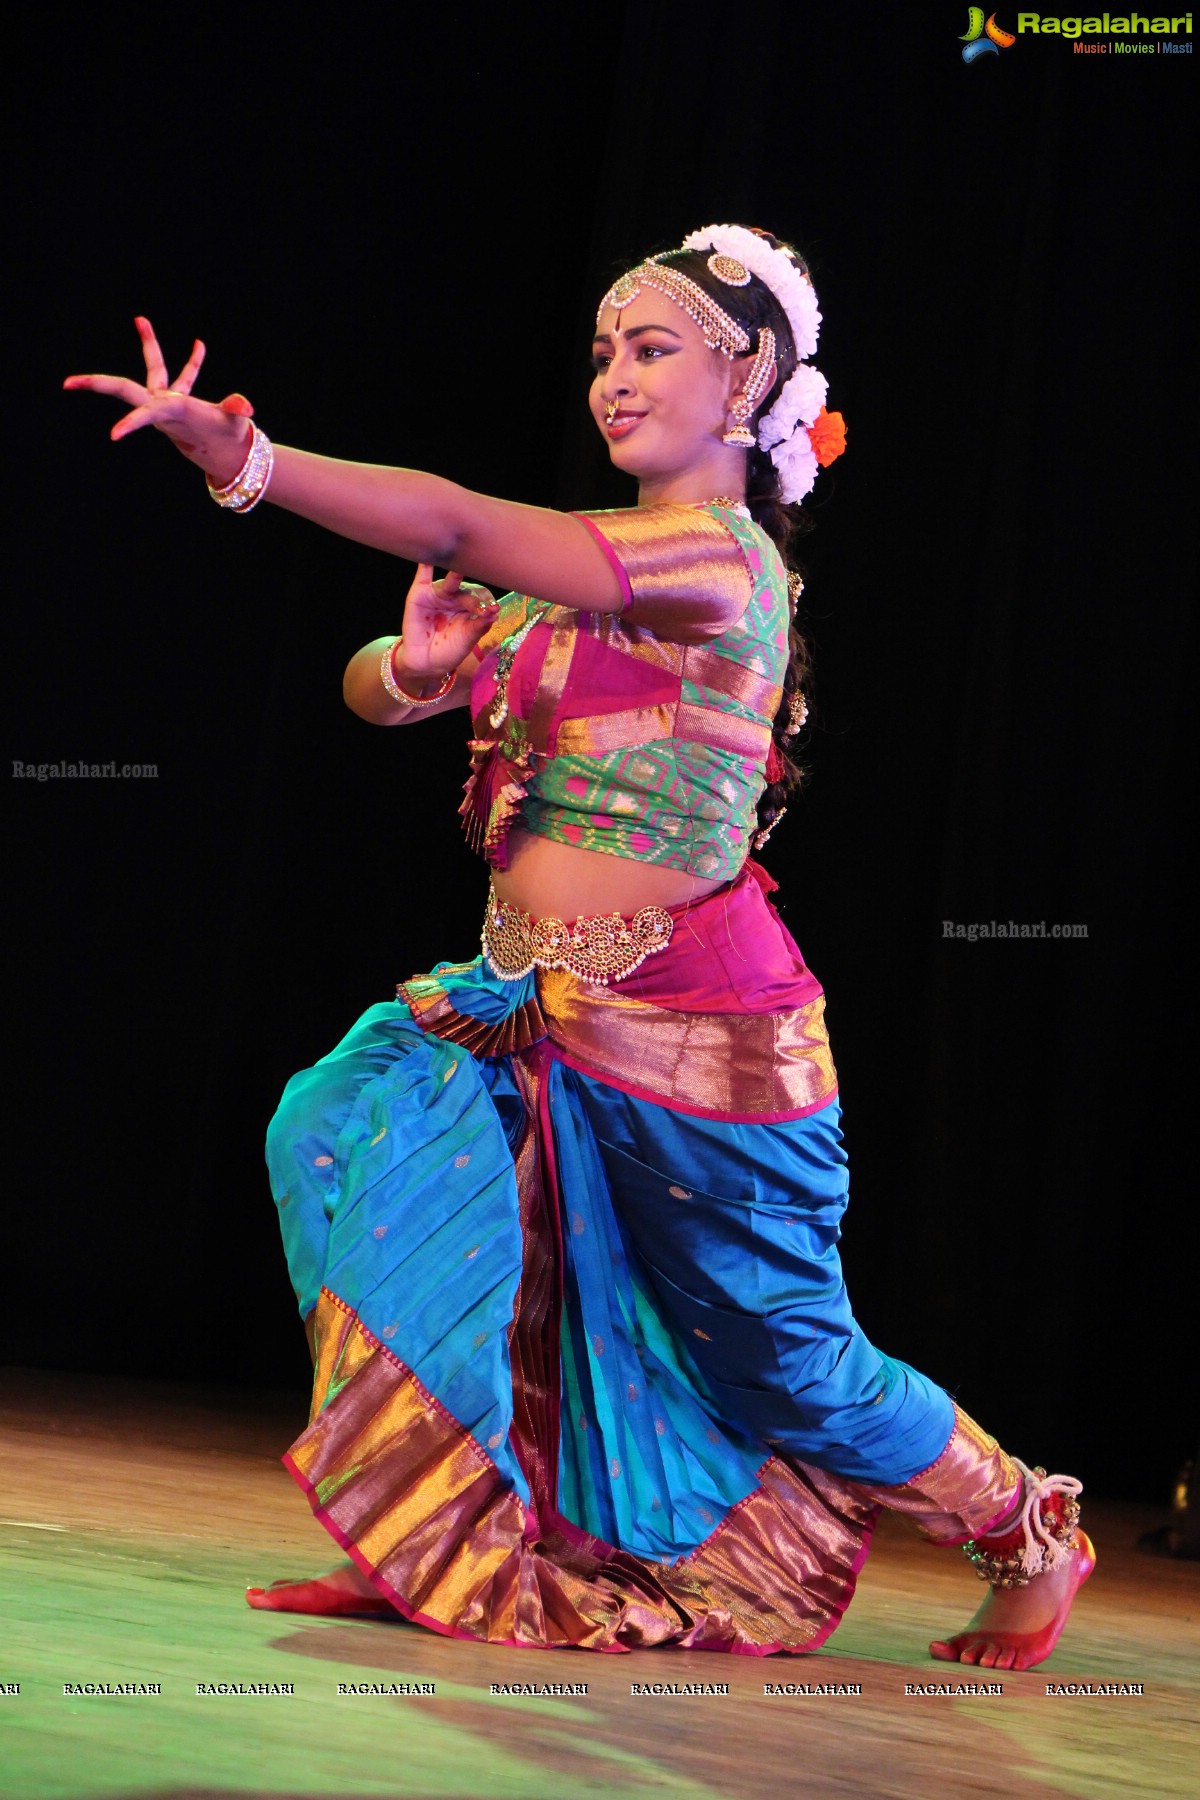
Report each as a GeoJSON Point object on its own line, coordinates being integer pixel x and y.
{"type": "Point", "coordinates": [796, 461]}
{"type": "Point", "coordinates": [775, 269]}
{"type": "Point", "coordinates": [800, 401]}
{"type": "Point", "coordinates": [803, 394]}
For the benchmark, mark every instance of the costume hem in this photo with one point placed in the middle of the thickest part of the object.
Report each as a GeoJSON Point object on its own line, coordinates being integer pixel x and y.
{"type": "Point", "coordinates": [458, 1535]}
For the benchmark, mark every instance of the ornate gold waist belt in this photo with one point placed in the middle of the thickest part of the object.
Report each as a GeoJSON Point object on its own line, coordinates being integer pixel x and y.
{"type": "Point", "coordinates": [602, 949]}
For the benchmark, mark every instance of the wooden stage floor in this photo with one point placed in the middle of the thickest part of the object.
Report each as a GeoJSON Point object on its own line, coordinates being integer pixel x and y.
{"type": "Point", "coordinates": [134, 1514]}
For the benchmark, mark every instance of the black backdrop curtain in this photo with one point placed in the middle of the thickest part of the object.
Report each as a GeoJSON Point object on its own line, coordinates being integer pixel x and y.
{"type": "Point", "coordinates": [392, 234]}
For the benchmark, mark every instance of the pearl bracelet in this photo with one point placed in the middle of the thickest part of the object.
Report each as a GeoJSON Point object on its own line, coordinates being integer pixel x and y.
{"type": "Point", "coordinates": [248, 486]}
{"type": "Point", "coordinates": [393, 687]}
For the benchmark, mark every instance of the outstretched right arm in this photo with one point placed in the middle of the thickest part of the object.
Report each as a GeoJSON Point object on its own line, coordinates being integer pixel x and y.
{"type": "Point", "coordinates": [403, 511]}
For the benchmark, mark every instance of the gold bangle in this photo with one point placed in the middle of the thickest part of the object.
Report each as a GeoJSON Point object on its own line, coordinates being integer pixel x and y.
{"type": "Point", "coordinates": [248, 486]}
{"type": "Point", "coordinates": [397, 692]}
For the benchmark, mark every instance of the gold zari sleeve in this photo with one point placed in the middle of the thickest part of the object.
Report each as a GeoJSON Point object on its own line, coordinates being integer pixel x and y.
{"type": "Point", "coordinates": [687, 577]}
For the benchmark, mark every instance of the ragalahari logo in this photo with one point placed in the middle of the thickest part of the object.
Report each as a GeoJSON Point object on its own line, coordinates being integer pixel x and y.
{"type": "Point", "coordinates": [983, 39]}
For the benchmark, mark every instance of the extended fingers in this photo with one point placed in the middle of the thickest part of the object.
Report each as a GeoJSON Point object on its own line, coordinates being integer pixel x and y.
{"type": "Point", "coordinates": [471, 597]}
{"type": "Point", "coordinates": [156, 368]}
{"type": "Point", "coordinates": [119, 386]}
{"type": "Point", "coordinates": [147, 407]}
{"type": "Point", "coordinates": [452, 598]}
{"type": "Point", "coordinates": [133, 421]}
{"type": "Point", "coordinates": [186, 378]}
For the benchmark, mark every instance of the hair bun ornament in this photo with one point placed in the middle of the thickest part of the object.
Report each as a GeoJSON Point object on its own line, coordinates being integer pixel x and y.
{"type": "Point", "coordinates": [775, 269]}
{"type": "Point", "coordinates": [729, 270]}
{"type": "Point", "coordinates": [797, 433]}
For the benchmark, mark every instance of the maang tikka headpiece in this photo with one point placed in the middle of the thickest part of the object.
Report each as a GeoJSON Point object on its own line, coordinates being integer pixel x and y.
{"type": "Point", "coordinates": [719, 331]}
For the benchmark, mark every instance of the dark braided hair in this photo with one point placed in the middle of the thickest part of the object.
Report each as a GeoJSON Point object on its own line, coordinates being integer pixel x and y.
{"type": "Point", "coordinates": [753, 306]}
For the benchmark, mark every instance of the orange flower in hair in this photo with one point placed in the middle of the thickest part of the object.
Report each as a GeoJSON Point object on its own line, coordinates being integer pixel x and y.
{"type": "Point", "coordinates": [827, 435]}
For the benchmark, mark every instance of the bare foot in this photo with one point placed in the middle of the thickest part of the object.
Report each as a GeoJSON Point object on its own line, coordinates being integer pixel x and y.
{"type": "Point", "coordinates": [1017, 1628]}
{"type": "Point", "coordinates": [344, 1591]}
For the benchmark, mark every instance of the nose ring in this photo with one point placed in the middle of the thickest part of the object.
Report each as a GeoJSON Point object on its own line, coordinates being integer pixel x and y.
{"type": "Point", "coordinates": [610, 411]}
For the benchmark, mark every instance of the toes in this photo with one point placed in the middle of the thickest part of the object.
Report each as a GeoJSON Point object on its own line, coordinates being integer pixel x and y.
{"type": "Point", "coordinates": [943, 1652]}
{"type": "Point", "coordinates": [970, 1653]}
{"type": "Point", "coordinates": [1007, 1659]}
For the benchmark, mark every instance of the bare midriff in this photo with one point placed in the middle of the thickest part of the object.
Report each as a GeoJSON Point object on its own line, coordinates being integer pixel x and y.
{"type": "Point", "coordinates": [549, 879]}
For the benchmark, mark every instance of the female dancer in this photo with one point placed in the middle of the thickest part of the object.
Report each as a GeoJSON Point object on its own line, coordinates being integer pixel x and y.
{"type": "Point", "coordinates": [562, 1221]}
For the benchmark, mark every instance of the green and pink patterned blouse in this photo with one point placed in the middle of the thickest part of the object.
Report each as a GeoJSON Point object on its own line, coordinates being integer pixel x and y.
{"type": "Point", "coordinates": [641, 733]}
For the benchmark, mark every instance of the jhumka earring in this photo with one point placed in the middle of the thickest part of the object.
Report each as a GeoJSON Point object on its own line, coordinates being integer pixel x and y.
{"type": "Point", "coordinates": [741, 409]}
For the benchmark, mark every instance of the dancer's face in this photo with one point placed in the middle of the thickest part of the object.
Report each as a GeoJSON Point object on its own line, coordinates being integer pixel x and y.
{"type": "Point", "coordinates": [670, 391]}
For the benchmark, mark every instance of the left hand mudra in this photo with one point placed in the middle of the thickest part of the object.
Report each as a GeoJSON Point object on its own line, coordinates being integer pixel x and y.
{"type": "Point", "coordinates": [444, 620]}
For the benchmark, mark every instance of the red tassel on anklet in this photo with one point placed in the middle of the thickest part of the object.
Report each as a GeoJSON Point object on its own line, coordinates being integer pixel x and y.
{"type": "Point", "coordinates": [1042, 1538]}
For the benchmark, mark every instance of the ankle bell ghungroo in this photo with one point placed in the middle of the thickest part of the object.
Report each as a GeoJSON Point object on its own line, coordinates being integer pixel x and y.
{"type": "Point", "coordinates": [1042, 1537]}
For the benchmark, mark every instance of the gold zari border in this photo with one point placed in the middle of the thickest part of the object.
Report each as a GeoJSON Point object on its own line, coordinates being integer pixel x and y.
{"type": "Point", "coordinates": [685, 723]}
{"type": "Point", "coordinates": [424, 1510]}
{"type": "Point", "coordinates": [722, 1062]}
{"type": "Point", "coordinates": [971, 1485]}
{"type": "Point", "coordinates": [688, 577]}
